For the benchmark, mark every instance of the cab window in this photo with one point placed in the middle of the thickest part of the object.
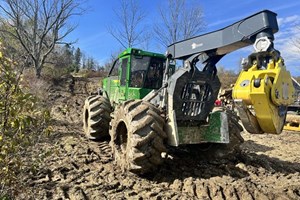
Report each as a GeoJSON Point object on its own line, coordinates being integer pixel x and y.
{"type": "Point", "coordinates": [139, 67]}
{"type": "Point", "coordinates": [124, 70]}
{"type": "Point", "coordinates": [155, 74]}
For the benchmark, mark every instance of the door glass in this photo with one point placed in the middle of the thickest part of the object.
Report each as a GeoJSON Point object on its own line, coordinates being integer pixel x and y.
{"type": "Point", "coordinates": [155, 74]}
{"type": "Point", "coordinates": [124, 70]}
{"type": "Point", "coordinates": [139, 67]}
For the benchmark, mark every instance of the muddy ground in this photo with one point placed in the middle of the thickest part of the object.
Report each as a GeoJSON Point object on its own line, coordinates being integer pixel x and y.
{"type": "Point", "coordinates": [268, 166]}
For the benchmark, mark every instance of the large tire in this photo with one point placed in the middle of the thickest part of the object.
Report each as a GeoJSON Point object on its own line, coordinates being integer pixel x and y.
{"type": "Point", "coordinates": [96, 117]}
{"type": "Point", "coordinates": [137, 136]}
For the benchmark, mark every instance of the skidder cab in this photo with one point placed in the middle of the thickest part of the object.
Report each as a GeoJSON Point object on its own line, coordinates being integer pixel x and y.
{"type": "Point", "coordinates": [134, 74]}
{"type": "Point", "coordinates": [145, 105]}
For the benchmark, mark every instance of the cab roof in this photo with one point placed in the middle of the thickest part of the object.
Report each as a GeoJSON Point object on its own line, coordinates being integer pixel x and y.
{"type": "Point", "coordinates": [140, 52]}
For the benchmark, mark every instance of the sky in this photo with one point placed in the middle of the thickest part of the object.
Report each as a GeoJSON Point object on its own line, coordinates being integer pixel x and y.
{"type": "Point", "coordinates": [93, 38]}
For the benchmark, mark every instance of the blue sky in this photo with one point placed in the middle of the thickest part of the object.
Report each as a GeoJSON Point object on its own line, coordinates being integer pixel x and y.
{"type": "Point", "coordinates": [95, 41]}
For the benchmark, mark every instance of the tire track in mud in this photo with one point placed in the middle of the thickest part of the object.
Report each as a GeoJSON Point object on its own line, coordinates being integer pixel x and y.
{"type": "Point", "coordinates": [83, 169]}
{"type": "Point", "coordinates": [88, 172]}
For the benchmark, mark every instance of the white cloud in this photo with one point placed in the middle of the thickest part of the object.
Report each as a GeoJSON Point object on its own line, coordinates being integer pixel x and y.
{"type": "Point", "coordinates": [290, 20]}
{"type": "Point", "coordinates": [285, 42]}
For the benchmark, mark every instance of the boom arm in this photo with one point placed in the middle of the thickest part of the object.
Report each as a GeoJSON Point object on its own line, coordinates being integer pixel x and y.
{"type": "Point", "coordinates": [264, 83]}
{"type": "Point", "coordinates": [228, 39]}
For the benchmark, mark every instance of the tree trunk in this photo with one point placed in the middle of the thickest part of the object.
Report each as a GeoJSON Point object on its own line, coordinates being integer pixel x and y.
{"type": "Point", "coordinates": [38, 69]}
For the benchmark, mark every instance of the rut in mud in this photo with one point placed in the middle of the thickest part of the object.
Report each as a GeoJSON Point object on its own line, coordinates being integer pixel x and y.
{"type": "Point", "coordinates": [268, 166]}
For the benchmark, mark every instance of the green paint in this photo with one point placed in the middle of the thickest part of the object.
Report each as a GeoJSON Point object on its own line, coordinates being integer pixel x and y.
{"type": "Point", "coordinates": [137, 93]}
{"type": "Point", "coordinates": [117, 88]}
{"type": "Point", "coordinates": [202, 134]}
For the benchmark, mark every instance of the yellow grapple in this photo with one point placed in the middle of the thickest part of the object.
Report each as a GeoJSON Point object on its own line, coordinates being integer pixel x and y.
{"type": "Point", "coordinates": [262, 94]}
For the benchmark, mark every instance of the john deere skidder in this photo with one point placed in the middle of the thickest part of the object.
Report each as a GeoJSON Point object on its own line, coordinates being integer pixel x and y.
{"type": "Point", "coordinates": [146, 105]}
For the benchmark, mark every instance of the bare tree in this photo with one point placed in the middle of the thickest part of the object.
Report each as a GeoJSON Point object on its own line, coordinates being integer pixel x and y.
{"type": "Point", "coordinates": [127, 30]}
{"type": "Point", "coordinates": [178, 21]}
{"type": "Point", "coordinates": [39, 25]}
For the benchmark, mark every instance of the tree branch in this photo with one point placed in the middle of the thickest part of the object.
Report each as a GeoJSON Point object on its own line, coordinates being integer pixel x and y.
{"type": "Point", "coordinates": [40, 24]}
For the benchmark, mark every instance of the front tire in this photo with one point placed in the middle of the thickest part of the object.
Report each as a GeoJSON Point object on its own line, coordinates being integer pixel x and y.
{"type": "Point", "coordinates": [137, 136]}
{"type": "Point", "coordinates": [96, 117]}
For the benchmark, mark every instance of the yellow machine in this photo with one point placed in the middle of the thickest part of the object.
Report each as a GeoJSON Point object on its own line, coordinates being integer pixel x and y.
{"type": "Point", "coordinates": [263, 90]}
{"type": "Point", "coordinates": [293, 116]}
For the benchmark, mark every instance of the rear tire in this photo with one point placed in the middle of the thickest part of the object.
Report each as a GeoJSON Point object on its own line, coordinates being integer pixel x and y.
{"type": "Point", "coordinates": [96, 117]}
{"type": "Point", "coordinates": [137, 136]}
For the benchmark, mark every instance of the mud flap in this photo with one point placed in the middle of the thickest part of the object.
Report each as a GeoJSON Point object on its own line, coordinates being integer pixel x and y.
{"type": "Point", "coordinates": [216, 131]}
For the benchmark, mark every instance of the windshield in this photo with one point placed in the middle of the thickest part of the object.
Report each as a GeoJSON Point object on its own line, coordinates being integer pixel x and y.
{"type": "Point", "coordinates": [146, 72]}
{"type": "Point", "coordinates": [155, 74]}
{"type": "Point", "coordinates": [139, 66]}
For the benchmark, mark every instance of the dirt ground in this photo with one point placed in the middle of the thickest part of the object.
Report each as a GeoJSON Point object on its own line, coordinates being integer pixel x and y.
{"type": "Point", "coordinates": [268, 166]}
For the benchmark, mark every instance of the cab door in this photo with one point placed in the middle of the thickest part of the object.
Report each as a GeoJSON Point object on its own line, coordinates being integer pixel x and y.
{"type": "Point", "coordinates": [124, 78]}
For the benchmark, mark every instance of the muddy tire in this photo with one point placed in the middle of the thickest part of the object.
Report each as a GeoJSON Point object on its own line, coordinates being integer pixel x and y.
{"type": "Point", "coordinates": [96, 117]}
{"type": "Point", "coordinates": [137, 136]}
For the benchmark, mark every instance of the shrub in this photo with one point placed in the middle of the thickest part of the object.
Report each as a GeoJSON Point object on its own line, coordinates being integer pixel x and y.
{"type": "Point", "coordinates": [92, 74]}
{"type": "Point", "coordinates": [33, 85]}
{"type": "Point", "coordinates": [22, 121]}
